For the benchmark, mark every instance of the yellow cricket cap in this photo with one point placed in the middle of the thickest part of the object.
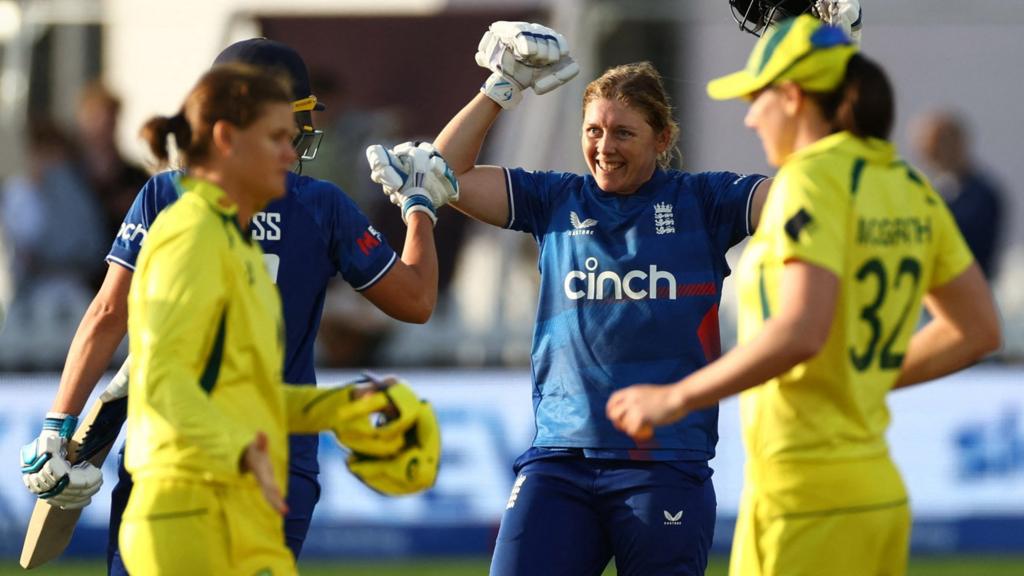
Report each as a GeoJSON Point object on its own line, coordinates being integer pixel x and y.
{"type": "Point", "coordinates": [802, 50]}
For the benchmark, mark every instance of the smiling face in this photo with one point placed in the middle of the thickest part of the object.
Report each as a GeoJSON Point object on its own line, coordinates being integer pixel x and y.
{"type": "Point", "coordinates": [620, 147]}
{"type": "Point", "coordinates": [263, 153]}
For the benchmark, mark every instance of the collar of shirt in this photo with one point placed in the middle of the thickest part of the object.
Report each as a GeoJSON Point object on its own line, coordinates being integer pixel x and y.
{"type": "Point", "coordinates": [871, 149]}
{"type": "Point", "coordinates": [213, 195]}
{"type": "Point", "coordinates": [647, 190]}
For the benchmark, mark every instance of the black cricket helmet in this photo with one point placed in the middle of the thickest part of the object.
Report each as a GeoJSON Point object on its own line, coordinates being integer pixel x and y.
{"type": "Point", "coordinates": [280, 58]}
{"type": "Point", "coordinates": [755, 16]}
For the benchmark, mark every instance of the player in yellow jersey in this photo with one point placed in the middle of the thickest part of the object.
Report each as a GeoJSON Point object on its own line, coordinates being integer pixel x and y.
{"type": "Point", "coordinates": [851, 240]}
{"type": "Point", "coordinates": [208, 415]}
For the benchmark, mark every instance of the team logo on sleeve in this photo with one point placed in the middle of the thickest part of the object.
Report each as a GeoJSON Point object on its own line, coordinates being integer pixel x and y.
{"type": "Point", "coordinates": [798, 222]}
{"type": "Point", "coordinates": [131, 232]}
{"type": "Point", "coordinates": [581, 227]}
{"type": "Point", "coordinates": [664, 220]}
{"type": "Point", "coordinates": [369, 240]}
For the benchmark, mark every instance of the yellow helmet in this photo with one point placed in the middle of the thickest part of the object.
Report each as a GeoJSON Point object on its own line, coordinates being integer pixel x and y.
{"type": "Point", "coordinates": [413, 468]}
{"type": "Point", "coordinates": [400, 452]}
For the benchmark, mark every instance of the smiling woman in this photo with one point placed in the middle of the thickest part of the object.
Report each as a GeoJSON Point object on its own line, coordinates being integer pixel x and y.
{"type": "Point", "coordinates": [627, 127]}
{"type": "Point", "coordinates": [632, 259]}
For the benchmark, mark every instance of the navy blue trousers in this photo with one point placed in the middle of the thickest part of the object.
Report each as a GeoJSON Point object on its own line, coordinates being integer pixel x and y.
{"type": "Point", "coordinates": [569, 515]}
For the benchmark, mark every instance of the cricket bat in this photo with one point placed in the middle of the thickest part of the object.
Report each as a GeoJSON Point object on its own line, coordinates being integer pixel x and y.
{"type": "Point", "coordinates": [50, 528]}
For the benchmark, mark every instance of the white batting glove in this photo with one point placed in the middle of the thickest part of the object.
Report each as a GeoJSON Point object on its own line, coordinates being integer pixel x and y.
{"type": "Point", "coordinates": [84, 481]}
{"type": "Point", "coordinates": [44, 464]}
{"type": "Point", "coordinates": [439, 181]}
{"type": "Point", "coordinates": [846, 14]}
{"type": "Point", "coordinates": [522, 55]}
{"type": "Point", "coordinates": [46, 471]}
{"type": "Point", "coordinates": [414, 176]}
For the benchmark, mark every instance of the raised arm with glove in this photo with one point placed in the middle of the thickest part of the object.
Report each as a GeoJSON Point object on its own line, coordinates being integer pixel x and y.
{"type": "Point", "coordinates": [520, 55]}
{"type": "Point", "coordinates": [414, 176]}
{"type": "Point", "coordinates": [523, 55]}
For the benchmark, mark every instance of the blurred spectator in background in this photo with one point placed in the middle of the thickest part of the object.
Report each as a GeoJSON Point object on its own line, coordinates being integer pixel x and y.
{"type": "Point", "coordinates": [942, 143]}
{"type": "Point", "coordinates": [55, 230]}
{"type": "Point", "coordinates": [5, 275]}
{"type": "Point", "coordinates": [351, 128]}
{"type": "Point", "coordinates": [352, 328]}
{"type": "Point", "coordinates": [113, 180]}
{"type": "Point", "coordinates": [51, 219]}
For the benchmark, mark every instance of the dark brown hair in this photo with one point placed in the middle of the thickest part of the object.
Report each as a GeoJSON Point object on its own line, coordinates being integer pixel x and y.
{"type": "Point", "coordinates": [864, 104]}
{"type": "Point", "coordinates": [639, 86]}
{"type": "Point", "coordinates": [234, 93]}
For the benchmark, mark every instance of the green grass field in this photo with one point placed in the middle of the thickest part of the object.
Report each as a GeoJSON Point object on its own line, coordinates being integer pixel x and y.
{"type": "Point", "coordinates": [919, 566]}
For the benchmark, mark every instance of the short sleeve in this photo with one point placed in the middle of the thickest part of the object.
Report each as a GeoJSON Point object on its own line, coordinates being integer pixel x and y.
{"type": "Point", "coordinates": [726, 199]}
{"type": "Point", "coordinates": [808, 220]}
{"type": "Point", "coordinates": [953, 256]}
{"type": "Point", "coordinates": [156, 194]}
{"type": "Point", "coordinates": [530, 197]}
{"type": "Point", "coordinates": [361, 253]}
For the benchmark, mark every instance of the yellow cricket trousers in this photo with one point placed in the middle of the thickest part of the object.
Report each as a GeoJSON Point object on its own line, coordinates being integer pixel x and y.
{"type": "Point", "coordinates": [179, 526]}
{"type": "Point", "coordinates": [847, 518]}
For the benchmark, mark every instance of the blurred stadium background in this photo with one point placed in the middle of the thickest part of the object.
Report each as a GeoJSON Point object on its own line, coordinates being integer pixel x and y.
{"type": "Point", "coordinates": [396, 70]}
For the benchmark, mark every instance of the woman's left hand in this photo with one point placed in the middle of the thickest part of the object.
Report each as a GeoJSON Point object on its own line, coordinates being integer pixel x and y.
{"type": "Point", "coordinates": [256, 459]}
{"type": "Point", "coordinates": [638, 409]}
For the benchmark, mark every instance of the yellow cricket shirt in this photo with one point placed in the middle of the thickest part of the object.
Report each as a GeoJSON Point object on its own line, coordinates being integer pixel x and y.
{"type": "Point", "coordinates": [853, 207]}
{"type": "Point", "coordinates": [206, 337]}
{"type": "Point", "coordinates": [206, 341]}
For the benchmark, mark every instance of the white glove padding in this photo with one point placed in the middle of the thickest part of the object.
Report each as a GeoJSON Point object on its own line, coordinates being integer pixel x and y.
{"type": "Point", "coordinates": [439, 181]}
{"type": "Point", "coordinates": [386, 169]}
{"type": "Point", "coordinates": [414, 176]}
{"type": "Point", "coordinates": [522, 55]}
{"type": "Point", "coordinates": [44, 464]}
{"type": "Point", "coordinates": [84, 481]}
{"type": "Point", "coordinates": [846, 14]}
{"type": "Point", "coordinates": [527, 43]}
{"type": "Point", "coordinates": [402, 181]}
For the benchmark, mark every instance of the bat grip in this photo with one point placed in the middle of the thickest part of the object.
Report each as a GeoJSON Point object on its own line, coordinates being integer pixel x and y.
{"type": "Point", "coordinates": [118, 386]}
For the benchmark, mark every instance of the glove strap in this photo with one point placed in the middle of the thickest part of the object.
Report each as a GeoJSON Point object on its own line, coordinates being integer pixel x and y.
{"type": "Point", "coordinates": [64, 424]}
{"type": "Point", "coordinates": [57, 489]}
{"type": "Point", "coordinates": [502, 90]}
{"type": "Point", "coordinates": [418, 203]}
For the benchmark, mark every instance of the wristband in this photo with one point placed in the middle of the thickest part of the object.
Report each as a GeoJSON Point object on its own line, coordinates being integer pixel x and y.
{"type": "Point", "coordinates": [63, 423]}
{"type": "Point", "coordinates": [418, 202]}
{"type": "Point", "coordinates": [502, 90]}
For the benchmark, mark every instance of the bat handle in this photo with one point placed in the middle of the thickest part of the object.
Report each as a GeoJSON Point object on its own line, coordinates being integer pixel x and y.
{"type": "Point", "coordinates": [118, 386]}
